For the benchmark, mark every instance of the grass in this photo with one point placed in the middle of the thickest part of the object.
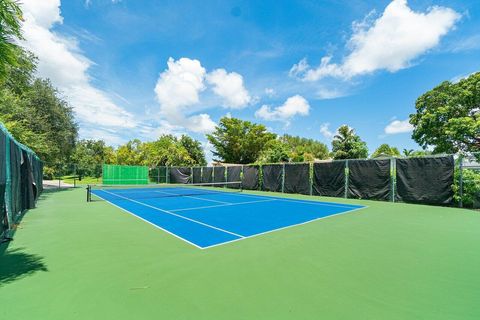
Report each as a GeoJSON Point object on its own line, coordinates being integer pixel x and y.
{"type": "Point", "coordinates": [76, 260]}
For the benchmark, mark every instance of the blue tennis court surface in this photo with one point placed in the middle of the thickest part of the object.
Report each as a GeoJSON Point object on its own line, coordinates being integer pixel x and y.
{"type": "Point", "coordinates": [206, 219]}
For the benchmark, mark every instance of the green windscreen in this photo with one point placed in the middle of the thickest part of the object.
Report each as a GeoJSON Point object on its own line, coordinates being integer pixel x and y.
{"type": "Point", "coordinates": [115, 174]}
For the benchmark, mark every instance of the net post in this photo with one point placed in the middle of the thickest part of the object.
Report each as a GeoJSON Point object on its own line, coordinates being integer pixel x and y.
{"type": "Point", "coordinates": [88, 193]}
{"type": "Point", "coordinates": [460, 180]}
{"type": "Point", "coordinates": [347, 173]}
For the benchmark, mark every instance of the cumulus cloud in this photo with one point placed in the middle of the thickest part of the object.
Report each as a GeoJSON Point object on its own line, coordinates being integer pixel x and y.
{"type": "Point", "coordinates": [61, 60]}
{"type": "Point", "coordinates": [325, 131]}
{"type": "Point", "coordinates": [391, 42]}
{"type": "Point", "coordinates": [229, 86]}
{"type": "Point", "coordinates": [179, 87]}
{"type": "Point", "coordinates": [296, 105]}
{"type": "Point", "coordinates": [398, 126]}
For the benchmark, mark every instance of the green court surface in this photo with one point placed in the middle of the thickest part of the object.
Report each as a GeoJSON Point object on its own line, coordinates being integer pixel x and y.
{"type": "Point", "coordinates": [76, 260]}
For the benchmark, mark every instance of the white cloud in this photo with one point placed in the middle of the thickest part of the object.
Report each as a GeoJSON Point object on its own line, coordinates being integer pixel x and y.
{"type": "Point", "coordinates": [229, 86]}
{"type": "Point", "coordinates": [325, 131]}
{"type": "Point", "coordinates": [270, 92]}
{"type": "Point", "coordinates": [296, 105]}
{"type": "Point", "coordinates": [61, 60]}
{"type": "Point", "coordinates": [390, 42]}
{"type": "Point", "coordinates": [179, 87]}
{"type": "Point", "coordinates": [398, 126]}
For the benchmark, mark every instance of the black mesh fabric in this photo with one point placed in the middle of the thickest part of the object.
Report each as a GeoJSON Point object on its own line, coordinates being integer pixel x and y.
{"type": "Point", "coordinates": [272, 177]}
{"type": "Point", "coordinates": [329, 179]}
{"type": "Point", "coordinates": [15, 172]}
{"type": "Point", "coordinates": [297, 178]}
{"type": "Point", "coordinates": [425, 180]}
{"type": "Point", "coordinates": [3, 181]}
{"type": "Point", "coordinates": [180, 175]}
{"type": "Point", "coordinates": [197, 175]}
{"type": "Point", "coordinates": [369, 179]}
{"type": "Point", "coordinates": [250, 177]}
{"type": "Point", "coordinates": [233, 175]}
{"type": "Point", "coordinates": [207, 173]}
{"type": "Point", "coordinates": [27, 187]}
{"type": "Point", "coordinates": [219, 174]}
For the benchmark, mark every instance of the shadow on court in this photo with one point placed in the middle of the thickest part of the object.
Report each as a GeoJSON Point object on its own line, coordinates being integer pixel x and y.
{"type": "Point", "coordinates": [16, 264]}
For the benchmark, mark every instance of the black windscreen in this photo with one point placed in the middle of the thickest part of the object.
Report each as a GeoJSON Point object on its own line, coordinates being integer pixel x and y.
{"type": "Point", "coordinates": [369, 179]}
{"type": "Point", "coordinates": [272, 177]}
{"type": "Point", "coordinates": [233, 175]}
{"type": "Point", "coordinates": [207, 173]}
{"type": "Point", "coordinates": [180, 175]}
{"type": "Point", "coordinates": [219, 174]}
{"type": "Point", "coordinates": [329, 179]}
{"type": "Point", "coordinates": [197, 175]}
{"type": "Point", "coordinates": [425, 180]}
{"type": "Point", "coordinates": [250, 177]}
{"type": "Point", "coordinates": [297, 178]}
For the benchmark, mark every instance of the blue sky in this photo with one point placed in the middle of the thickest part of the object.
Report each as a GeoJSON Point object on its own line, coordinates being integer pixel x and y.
{"type": "Point", "coordinates": [137, 69]}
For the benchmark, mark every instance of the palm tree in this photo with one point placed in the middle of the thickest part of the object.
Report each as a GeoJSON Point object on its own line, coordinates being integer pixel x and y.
{"type": "Point", "coordinates": [407, 152]}
{"type": "Point", "coordinates": [10, 29]}
{"type": "Point", "coordinates": [348, 145]}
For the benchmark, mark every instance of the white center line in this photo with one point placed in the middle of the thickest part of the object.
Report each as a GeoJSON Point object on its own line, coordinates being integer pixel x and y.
{"type": "Point", "coordinates": [173, 214]}
{"type": "Point", "coordinates": [224, 205]}
{"type": "Point", "coordinates": [192, 197]}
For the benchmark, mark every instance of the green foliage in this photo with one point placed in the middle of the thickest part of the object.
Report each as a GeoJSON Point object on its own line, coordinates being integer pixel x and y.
{"type": "Point", "coordinates": [471, 187]}
{"type": "Point", "coordinates": [385, 150]}
{"type": "Point", "coordinates": [347, 145]}
{"type": "Point", "coordinates": [238, 141]}
{"type": "Point", "coordinates": [167, 150]}
{"type": "Point", "coordinates": [274, 151]}
{"type": "Point", "coordinates": [448, 117]}
{"type": "Point", "coordinates": [89, 155]}
{"type": "Point", "coordinates": [304, 150]}
{"type": "Point", "coordinates": [10, 30]}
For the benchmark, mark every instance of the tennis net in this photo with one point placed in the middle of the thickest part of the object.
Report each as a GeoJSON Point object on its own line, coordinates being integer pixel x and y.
{"type": "Point", "coordinates": [135, 192]}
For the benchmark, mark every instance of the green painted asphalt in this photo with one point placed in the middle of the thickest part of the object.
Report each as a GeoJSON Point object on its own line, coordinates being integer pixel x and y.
{"type": "Point", "coordinates": [76, 260]}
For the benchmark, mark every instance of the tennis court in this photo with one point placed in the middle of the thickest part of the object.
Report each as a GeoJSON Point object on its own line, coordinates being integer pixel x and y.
{"type": "Point", "coordinates": [206, 216]}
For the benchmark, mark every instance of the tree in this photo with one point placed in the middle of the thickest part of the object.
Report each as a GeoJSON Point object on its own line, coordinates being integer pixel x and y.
{"type": "Point", "coordinates": [448, 117]}
{"type": "Point", "coordinates": [275, 151]}
{"type": "Point", "coordinates": [407, 152]}
{"type": "Point", "coordinates": [303, 149]}
{"type": "Point", "coordinates": [347, 145]}
{"type": "Point", "coordinates": [385, 150]}
{"type": "Point", "coordinates": [89, 156]}
{"type": "Point", "coordinates": [10, 30]}
{"type": "Point", "coordinates": [238, 141]}
{"type": "Point", "coordinates": [132, 153]}
{"type": "Point", "coordinates": [194, 149]}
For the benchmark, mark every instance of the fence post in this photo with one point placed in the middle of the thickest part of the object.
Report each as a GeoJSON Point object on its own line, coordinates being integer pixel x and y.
{"type": "Point", "coordinates": [8, 198]}
{"type": "Point", "coordinates": [310, 177]}
{"type": "Point", "coordinates": [167, 173]}
{"type": "Point", "coordinates": [393, 176]}
{"type": "Point", "coordinates": [460, 181]}
{"type": "Point", "coordinates": [346, 179]}
{"type": "Point", "coordinates": [283, 177]}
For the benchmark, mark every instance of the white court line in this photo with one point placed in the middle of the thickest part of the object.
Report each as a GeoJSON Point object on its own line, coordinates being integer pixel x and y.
{"type": "Point", "coordinates": [224, 205]}
{"type": "Point", "coordinates": [173, 214]}
{"type": "Point", "coordinates": [282, 228]}
{"type": "Point", "coordinates": [149, 222]}
{"type": "Point", "coordinates": [192, 197]}
{"type": "Point", "coordinates": [316, 203]}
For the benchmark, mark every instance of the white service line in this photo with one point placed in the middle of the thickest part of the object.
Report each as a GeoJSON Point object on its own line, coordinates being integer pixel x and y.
{"type": "Point", "coordinates": [224, 205]}
{"type": "Point", "coordinates": [192, 197]}
{"type": "Point", "coordinates": [173, 214]}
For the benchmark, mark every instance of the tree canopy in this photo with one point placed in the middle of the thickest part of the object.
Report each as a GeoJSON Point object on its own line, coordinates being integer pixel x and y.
{"type": "Point", "coordinates": [448, 117]}
{"type": "Point", "coordinates": [239, 141]}
{"type": "Point", "coordinates": [10, 30]}
{"type": "Point", "coordinates": [303, 149]}
{"type": "Point", "coordinates": [348, 145]}
{"type": "Point", "coordinates": [385, 150]}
